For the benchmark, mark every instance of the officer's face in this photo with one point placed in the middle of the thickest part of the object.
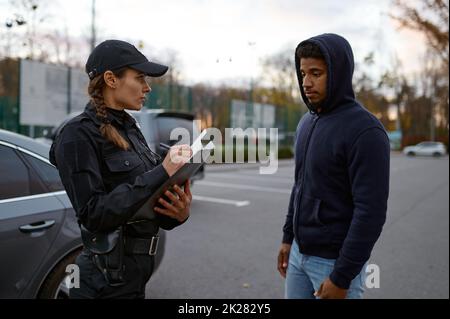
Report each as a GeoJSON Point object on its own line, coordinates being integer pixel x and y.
{"type": "Point", "coordinates": [314, 79]}
{"type": "Point", "coordinates": [131, 89]}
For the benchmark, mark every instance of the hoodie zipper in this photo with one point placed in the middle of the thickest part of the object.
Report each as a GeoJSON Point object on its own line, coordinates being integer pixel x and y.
{"type": "Point", "coordinates": [308, 138]}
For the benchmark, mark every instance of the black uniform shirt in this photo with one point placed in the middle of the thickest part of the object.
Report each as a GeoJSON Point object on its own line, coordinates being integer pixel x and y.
{"type": "Point", "coordinates": [106, 184]}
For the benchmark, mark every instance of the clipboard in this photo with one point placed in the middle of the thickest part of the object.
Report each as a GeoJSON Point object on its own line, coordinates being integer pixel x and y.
{"type": "Point", "coordinates": [185, 173]}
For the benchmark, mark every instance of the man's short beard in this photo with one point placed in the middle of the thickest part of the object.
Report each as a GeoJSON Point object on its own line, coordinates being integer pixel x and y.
{"type": "Point", "coordinates": [316, 106]}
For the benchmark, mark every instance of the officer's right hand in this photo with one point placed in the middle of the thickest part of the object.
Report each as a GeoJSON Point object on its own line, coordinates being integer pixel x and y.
{"type": "Point", "coordinates": [176, 157]}
{"type": "Point", "coordinates": [283, 259]}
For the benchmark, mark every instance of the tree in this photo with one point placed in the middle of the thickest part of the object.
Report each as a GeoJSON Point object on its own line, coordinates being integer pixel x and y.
{"type": "Point", "coordinates": [431, 19]}
{"type": "Point", "coordinates": [32, 14]}
{"type": "Point", "coordinates": [280, 87]}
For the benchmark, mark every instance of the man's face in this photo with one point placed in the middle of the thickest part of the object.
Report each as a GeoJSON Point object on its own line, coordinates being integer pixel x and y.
{"type": "Point", "coordinates": [314, 80]}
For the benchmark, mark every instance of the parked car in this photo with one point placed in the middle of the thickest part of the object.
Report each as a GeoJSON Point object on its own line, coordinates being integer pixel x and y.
{"type": "Point", "coordinates": [435, 149]}
{"type": "Point", "coordinates": [39, 233]}
{"type": "Point", "coordinates": [156, 126]}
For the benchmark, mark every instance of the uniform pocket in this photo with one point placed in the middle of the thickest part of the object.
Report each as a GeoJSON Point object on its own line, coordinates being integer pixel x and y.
{"type": "Point", "coordinates": [123, 162]}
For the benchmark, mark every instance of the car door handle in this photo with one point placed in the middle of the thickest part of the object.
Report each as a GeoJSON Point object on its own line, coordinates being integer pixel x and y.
{"type": "Point", "coordinates": [37, 226]}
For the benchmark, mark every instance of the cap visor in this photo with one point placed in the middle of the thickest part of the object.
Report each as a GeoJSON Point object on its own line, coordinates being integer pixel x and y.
{"type": "Point", "coordinates": [150, 68]}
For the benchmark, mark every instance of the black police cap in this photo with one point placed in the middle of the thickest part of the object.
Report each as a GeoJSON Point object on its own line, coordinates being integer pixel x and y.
{"type": "Point", "coordinates": [115, 54]}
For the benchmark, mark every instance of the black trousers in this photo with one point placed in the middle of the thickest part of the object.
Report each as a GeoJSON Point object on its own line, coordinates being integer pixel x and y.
{"type": "Point", "coordinates": [93, 285]}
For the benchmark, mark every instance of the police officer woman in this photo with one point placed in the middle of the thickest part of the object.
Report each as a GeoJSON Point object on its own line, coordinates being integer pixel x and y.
{"type": "Point", "coordinates": [109, 172]}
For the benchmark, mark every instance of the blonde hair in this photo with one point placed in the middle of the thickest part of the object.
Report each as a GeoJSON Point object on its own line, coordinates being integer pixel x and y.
{"type": "Point", "coordinates": [95, 91]}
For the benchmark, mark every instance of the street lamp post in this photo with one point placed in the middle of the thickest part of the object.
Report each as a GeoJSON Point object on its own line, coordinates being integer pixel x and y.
{"type": "Point", "coordinates": [10, 23]}
{"type": "Point", "coordinates": [252, 46]}
{"type": "Point", "coordinates": [250, 108]}
{"type": "Point", "coordinates": [93, 31]}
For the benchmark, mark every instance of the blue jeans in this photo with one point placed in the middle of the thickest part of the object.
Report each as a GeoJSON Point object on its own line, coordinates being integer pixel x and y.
{"type": "Point", "coordinates": [306, 273]}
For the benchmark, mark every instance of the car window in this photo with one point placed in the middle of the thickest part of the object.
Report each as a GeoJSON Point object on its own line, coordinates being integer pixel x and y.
{"type": "Point", "coordinates": [434, 144]}
{"type": "Point", "coordinates": [47, 172]}
{"type": "Point", "coordinates": [421, 144]}
{"type": "Point", "coordinates": [428, 144]}
{"type": "Point", "coordinates": [167, 124]}
{"type": "Point", "coordinates": [17, 179]}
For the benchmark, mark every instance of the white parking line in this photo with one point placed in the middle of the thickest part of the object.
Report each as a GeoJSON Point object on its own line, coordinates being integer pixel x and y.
{"type": "Point", "coordinates": [222, 201]}
{"type": "Point", "coordinates": [254, 177]}
{"type": "Point", "coordinates": [247, 187]}
{"type": "Point", "coordinates": [402, 168]}
{"type": "Point", "coordinates": [278, 174]}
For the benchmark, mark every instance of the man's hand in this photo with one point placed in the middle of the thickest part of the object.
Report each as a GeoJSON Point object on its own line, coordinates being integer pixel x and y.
{"type": "Point", "coordinates": [179, 206]}
{"type": "Point", "coordinates": [328, 290]}
{"type": "Point", "coordinates": [283, 259]}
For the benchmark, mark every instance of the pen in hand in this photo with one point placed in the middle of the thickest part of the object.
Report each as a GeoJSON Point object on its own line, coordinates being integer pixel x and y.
{"type": "Point", "coordinates": [168, 147]}
{"type": "Point", "coordinates": [176, 157]}
{"type": "Point", "coordinates": [164, 146]}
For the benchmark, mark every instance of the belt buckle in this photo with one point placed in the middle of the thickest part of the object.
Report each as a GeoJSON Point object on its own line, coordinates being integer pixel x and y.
{"type": "Point", "coordinates": [153, 246]}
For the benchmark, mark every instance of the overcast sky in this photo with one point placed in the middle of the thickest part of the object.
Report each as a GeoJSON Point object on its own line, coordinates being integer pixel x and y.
{"type": "Point", "coordinates": [220, 39]}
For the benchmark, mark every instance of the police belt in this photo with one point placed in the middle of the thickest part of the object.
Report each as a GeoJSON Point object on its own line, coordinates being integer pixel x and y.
{"type": "Point", "coordinates": [141, 246]}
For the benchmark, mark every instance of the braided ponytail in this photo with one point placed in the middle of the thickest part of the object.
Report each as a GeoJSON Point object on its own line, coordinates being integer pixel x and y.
{"type": "Point", "coordinates": [108, 131]}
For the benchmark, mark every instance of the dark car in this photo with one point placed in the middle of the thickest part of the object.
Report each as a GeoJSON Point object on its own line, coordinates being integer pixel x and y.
{"type": "Point", "coordinates": [157, 125]}
{"type": "Point", "coordinates": [39, 233]}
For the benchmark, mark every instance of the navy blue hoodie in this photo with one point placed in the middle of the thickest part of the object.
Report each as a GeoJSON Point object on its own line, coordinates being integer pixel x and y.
{"type": "Point", "coordinates": [339, 200]}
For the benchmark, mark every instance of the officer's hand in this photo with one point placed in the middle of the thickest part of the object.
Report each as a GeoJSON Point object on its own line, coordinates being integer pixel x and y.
{"type": "Point", "coordinates": [180, 205]}
{"type": "Point", "coordinates": [283, 259]}
{"type": "Point", "coordinates": [328, 290]}
{"type": "Point", "coordinates": [176, 157]}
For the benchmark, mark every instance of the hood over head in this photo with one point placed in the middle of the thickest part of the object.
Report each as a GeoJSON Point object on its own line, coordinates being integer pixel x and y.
{"type": "Point", "coordinates": [340, 65]}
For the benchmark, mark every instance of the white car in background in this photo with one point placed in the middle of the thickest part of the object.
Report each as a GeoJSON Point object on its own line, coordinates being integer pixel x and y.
{"type": "Point", "coordinates": [435, 149]}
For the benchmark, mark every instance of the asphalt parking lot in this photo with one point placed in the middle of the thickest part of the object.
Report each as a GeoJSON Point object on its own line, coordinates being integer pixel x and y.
{"type": "Point", "coordinates": [228, 247]}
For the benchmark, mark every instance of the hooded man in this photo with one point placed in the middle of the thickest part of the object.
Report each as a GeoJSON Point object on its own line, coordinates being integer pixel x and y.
{"type": "Point", "coordinates": [339, 200]}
